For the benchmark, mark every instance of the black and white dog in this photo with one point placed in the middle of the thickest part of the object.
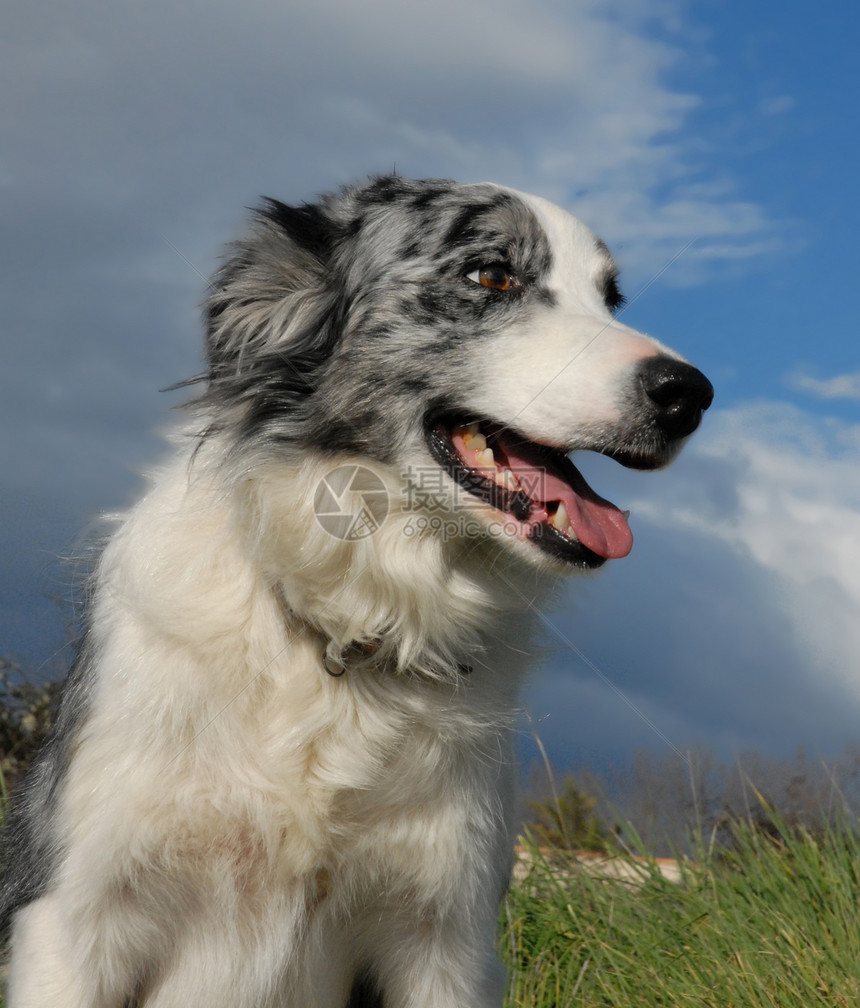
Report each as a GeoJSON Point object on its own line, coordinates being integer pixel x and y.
{"type": "Point", "coordinates": [282, 770]}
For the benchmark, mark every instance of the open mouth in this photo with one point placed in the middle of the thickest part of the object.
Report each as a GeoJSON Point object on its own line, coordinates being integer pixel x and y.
{"type": "Point", "coordinates": [544, 497]}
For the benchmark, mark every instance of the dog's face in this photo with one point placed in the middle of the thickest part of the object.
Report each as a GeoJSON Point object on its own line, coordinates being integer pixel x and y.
{"type": "Point", "coordinates": [468, 329]}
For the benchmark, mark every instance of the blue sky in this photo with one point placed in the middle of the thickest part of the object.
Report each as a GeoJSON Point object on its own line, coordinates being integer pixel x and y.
{"type": "Point", "coordinates": [711, 144]}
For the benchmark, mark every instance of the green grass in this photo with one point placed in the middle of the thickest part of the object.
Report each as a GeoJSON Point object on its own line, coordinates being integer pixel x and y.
{"type": "Point", "coordinates": [767, 923]}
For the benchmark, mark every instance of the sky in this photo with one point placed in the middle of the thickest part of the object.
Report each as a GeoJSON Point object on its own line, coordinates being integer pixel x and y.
{"type": "Point", "coordinates": [711, 144]}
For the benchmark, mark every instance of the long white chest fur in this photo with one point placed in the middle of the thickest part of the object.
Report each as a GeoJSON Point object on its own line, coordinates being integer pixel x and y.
{"type": "Point", "coordinates": [222, 763]}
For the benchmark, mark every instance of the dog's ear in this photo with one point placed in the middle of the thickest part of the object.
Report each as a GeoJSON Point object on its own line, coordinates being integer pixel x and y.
{"type": "Point", "coordinates": [308, 225]}
{"type": "Point", "coordinates": [275, 297]}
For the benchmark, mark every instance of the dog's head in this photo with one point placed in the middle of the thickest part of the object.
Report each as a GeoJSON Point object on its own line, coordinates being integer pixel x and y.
{"type": "Point", "coordinates": [468, 332]}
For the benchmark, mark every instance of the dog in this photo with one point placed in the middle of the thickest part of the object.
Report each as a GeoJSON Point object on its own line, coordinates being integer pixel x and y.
{"type": "Point", "coordinates": [282, 772]}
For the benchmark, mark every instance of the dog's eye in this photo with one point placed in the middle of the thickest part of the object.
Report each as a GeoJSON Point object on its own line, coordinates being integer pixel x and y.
{"type": "Point", "coordinates": [612, 294]}
{"type": "Point", "coordinates": [496, 276]}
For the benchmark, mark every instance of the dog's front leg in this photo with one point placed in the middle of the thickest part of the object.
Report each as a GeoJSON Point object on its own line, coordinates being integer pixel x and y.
{"type": "Point", "coordinates": [430, 962]}
{"type": "Point", "coordinates": [45, 970]}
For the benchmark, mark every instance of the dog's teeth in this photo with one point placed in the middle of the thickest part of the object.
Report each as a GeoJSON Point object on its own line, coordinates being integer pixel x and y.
{"type": "Point", "coordinates": [626, 515]}
{"type": "Point", "coordinates": [484, 458]}
{"type": "Point", "coordinates": [507, 479]}
{"type": "Point", "coordinates": [560, 520]}
{"type": "Point", "coordinates": [474, 441]}
{"type": "Point", "coordinates": [473, 428]}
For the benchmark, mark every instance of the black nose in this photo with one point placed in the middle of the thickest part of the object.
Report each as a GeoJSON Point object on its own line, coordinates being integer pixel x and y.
{"type": "Point", "coordinates": [680, 393]}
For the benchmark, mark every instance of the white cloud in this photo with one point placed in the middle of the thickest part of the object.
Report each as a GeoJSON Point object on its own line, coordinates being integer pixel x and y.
{"type": "Point", "coordinates": [734, 622]}
{"type": "Point", "coordinates": [846, 386]}
{"type": "Point", "coordinates": [782, 487]}
{"type": "Point", "coordinates": [649, 233]}
{"type": "Point", "coordinates": [778, 105]}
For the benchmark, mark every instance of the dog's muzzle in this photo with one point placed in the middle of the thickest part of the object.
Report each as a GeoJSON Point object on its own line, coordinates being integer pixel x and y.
{"type": "Point", "coordinates": [536, 485]}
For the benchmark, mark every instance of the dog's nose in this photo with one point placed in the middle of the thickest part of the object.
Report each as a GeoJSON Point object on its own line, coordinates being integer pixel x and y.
{"type": "Point", "coordinates": [679, 392]}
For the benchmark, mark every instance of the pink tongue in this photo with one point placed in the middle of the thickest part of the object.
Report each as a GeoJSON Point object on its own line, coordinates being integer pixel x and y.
{"type": "Point", "coordinates": [598, 524]}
